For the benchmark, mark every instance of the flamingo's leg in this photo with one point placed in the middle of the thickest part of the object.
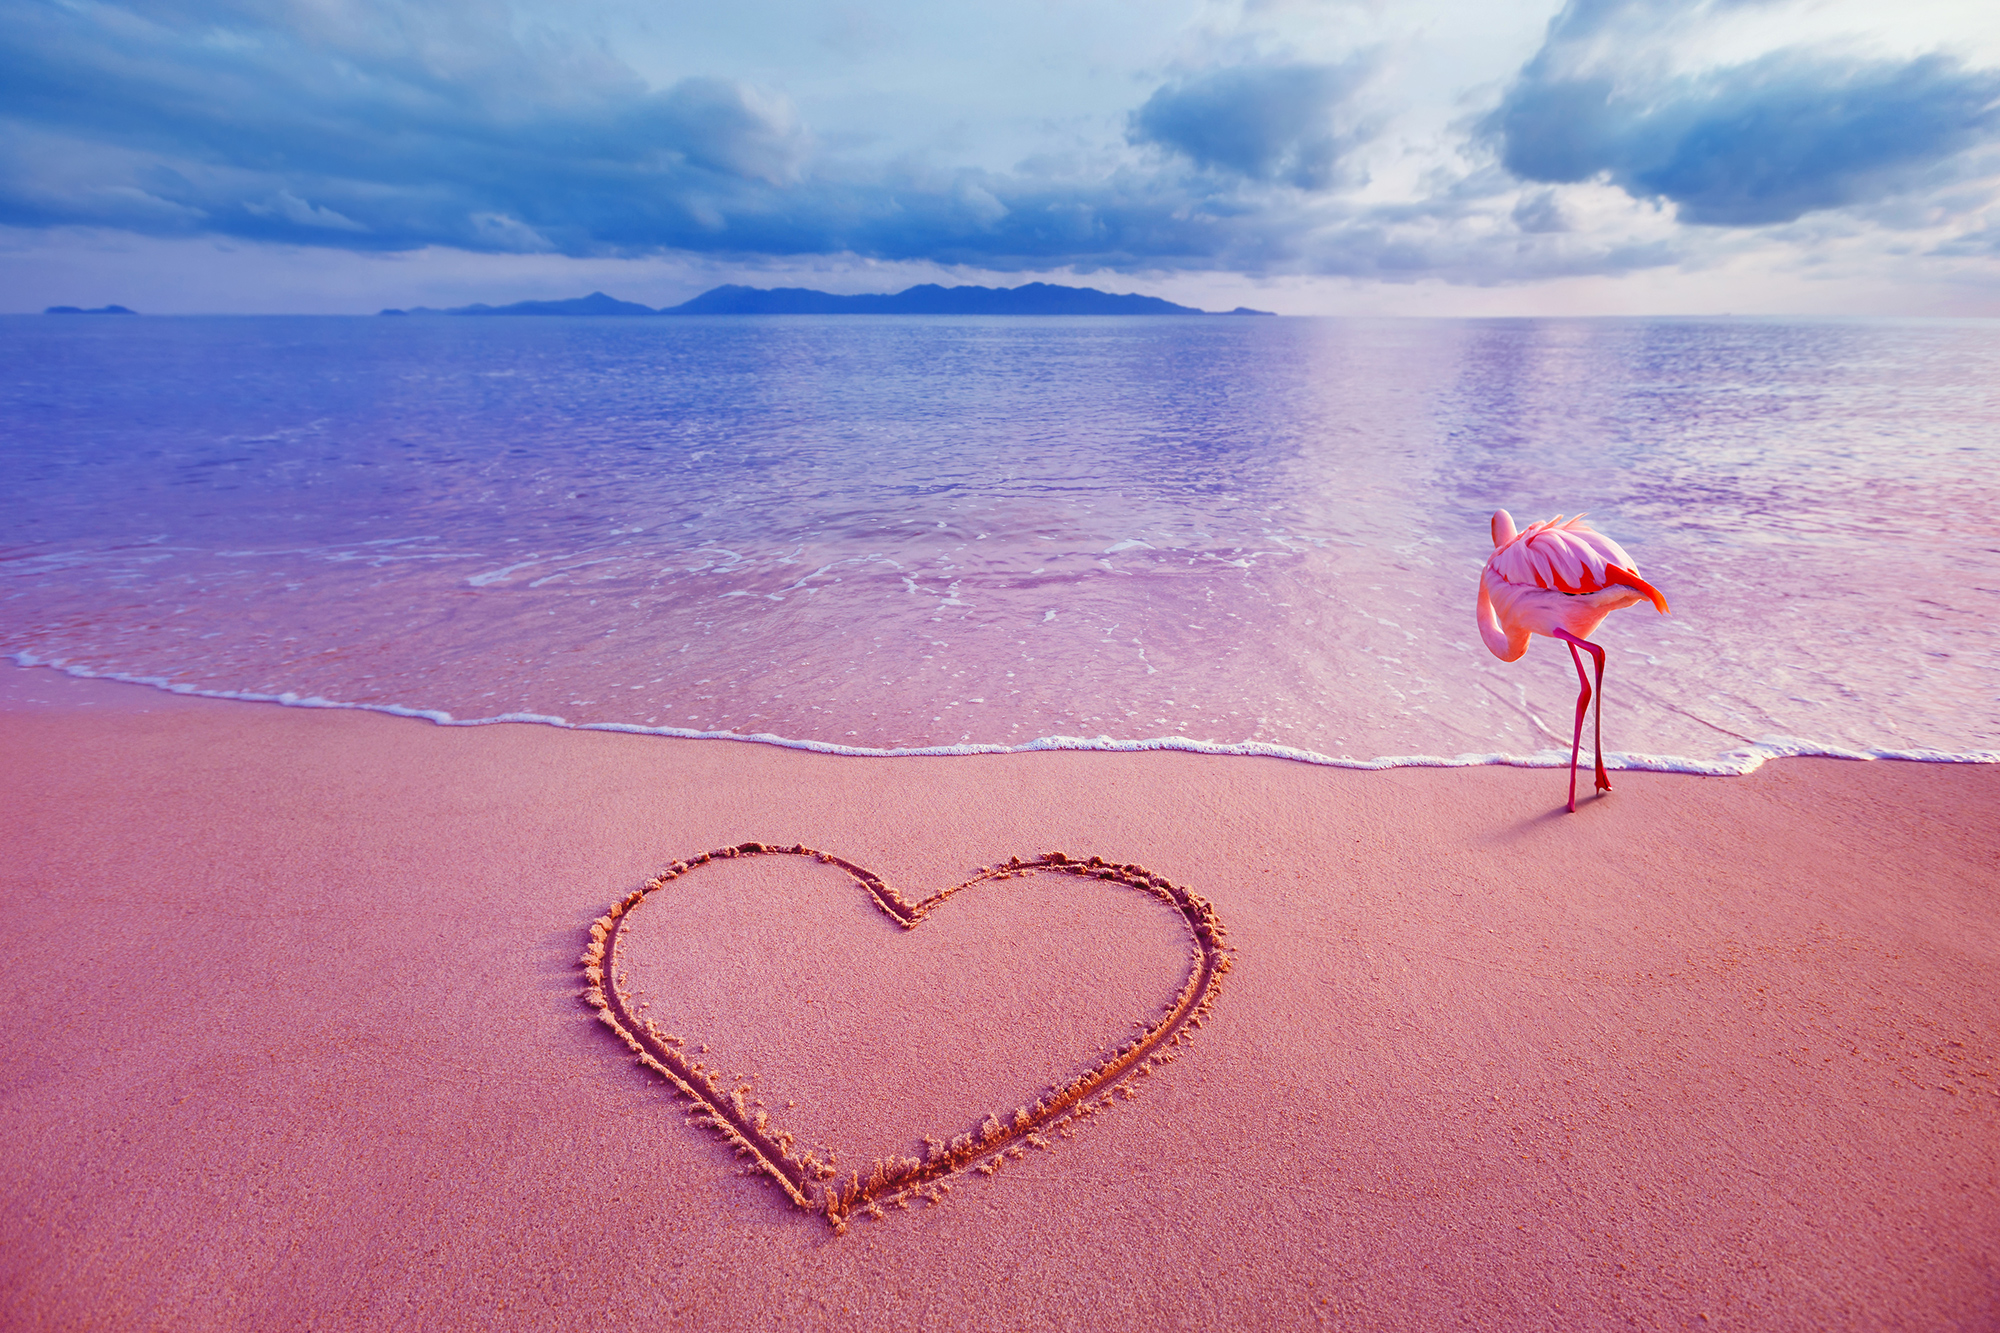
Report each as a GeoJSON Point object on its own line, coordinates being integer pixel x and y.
{"type": "Point", "coordinates": [1597, 657]}
{"type": "Point", "coordinates": [1582, 707]}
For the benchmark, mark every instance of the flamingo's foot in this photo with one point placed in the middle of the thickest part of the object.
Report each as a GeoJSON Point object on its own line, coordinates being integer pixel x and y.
{"type": "Point", "coordinates": [1603, 780]}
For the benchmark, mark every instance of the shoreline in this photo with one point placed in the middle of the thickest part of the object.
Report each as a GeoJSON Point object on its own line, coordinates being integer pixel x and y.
{"type": "Point", "coordinates": [296, 1035]}
{"type": "Point", "coordinates": [1739, 762]}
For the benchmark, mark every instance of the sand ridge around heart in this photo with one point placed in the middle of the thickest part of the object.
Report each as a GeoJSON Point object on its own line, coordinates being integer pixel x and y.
{"type": "Point", "coordinates": [817, 1186]}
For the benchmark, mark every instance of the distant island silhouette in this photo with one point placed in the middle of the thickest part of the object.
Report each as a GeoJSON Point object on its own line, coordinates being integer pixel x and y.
{"type": "Point", "coordinates": [79, 310]}
{"type": "Point", "coordinates": [1036, 298]}
{"type": "Point", "coordinates": [597, 303]}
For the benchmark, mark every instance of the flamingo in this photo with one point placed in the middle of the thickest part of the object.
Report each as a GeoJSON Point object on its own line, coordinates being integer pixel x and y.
{"type": "Point", "coordinates": [1560, 579]}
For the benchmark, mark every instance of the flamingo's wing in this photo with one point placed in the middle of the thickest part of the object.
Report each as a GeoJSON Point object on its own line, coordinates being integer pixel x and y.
{"type": "Point", "coordinates": [1570, 556]}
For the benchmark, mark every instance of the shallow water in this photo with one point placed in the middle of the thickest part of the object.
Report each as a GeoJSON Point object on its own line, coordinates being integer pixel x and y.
{"type": "Point", "coordinates": [889, 533]}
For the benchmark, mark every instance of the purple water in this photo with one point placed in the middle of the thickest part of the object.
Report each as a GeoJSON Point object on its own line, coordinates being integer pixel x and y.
{"type": "Point", "coordinates": [893, 533]}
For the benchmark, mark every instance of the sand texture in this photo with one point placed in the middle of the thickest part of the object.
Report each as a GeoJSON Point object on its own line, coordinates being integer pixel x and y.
{"type": "Point", "coordinates": [297, 1035]}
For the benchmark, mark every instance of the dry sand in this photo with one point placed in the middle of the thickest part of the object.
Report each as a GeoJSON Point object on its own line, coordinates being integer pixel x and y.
{"type": "Point", "coordinates": [294, 1036]}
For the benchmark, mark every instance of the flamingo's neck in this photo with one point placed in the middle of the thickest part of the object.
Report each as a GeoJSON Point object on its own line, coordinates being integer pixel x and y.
{"type": "Point", "coordinates": [1507, 647]}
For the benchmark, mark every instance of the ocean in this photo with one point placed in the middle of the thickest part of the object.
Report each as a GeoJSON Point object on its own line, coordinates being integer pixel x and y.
{"type": "Point", "coordinates": [894, 534]}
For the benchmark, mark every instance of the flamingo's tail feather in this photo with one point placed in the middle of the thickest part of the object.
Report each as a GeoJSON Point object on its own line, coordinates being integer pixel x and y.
{"type": "Point", "coordinates": [1613, 574]}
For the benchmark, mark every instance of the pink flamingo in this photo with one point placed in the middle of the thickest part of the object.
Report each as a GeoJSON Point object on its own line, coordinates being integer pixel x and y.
{"type": "Point", "coordinates": [1558, 579]}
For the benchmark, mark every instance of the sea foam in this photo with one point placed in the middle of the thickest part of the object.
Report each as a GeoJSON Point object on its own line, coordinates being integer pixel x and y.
{"type": "Point", "coordinates": [1734, 763]}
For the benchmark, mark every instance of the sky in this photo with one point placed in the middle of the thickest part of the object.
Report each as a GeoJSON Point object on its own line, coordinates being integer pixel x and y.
{"type": "Point", "coordinates": [1600, 157]}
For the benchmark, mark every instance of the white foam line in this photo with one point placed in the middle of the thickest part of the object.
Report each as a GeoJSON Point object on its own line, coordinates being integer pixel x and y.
{"type": "Point", "coordinates": [1732, 763]}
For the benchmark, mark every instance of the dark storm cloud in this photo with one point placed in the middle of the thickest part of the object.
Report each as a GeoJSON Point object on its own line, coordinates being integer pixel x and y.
{"type": "Point", "coordinates": [357, 125]}
{"type": "Point", "coordinates": [1749, 145]}
{"type": "Point", "coordinates": [1280, 123]}
{"type": "Point", "coordinates": [259, 131]}
{"type": "Point", "coordinates": [356, 131]}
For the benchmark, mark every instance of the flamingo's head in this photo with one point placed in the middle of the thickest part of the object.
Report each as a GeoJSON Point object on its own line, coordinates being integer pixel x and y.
{"type": "Point", "coordinates": [1504, 530]}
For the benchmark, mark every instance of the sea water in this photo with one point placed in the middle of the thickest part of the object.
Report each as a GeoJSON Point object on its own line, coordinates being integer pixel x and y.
{"type": "Point", "coordinates": [933, 533]}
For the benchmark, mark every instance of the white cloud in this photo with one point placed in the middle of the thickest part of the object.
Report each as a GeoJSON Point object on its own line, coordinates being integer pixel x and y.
{"type": "Point", "coordinates": [288, 206]}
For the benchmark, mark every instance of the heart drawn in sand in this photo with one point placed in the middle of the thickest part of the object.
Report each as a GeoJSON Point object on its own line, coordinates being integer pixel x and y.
{"type": "Point", "coordinates": [771, 1150]}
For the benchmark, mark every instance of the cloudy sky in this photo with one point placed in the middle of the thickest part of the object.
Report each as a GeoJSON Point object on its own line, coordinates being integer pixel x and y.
{"type": "Point", "coordinates": [1307, 156]}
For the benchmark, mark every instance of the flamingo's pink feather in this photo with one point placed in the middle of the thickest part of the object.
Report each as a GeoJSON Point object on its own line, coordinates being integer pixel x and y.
{"type": "Point", "coordinates": [1565, 556]}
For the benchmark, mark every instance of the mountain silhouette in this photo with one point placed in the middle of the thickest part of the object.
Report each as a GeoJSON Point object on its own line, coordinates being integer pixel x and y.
{"type": "Point", "coordinates": [1035, 298]}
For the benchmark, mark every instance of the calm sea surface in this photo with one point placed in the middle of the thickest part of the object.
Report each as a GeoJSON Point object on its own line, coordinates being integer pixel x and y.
{"type": "Point", "coordinates": [889, 533]}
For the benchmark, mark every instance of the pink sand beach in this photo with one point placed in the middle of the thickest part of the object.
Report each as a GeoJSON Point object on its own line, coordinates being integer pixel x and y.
{"type": "Point", "coordinates": [297, 1035]}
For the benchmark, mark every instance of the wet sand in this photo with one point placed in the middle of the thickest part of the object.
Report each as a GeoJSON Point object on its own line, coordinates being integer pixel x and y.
{"type": "Point", "coordinates": [295, 1036]}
